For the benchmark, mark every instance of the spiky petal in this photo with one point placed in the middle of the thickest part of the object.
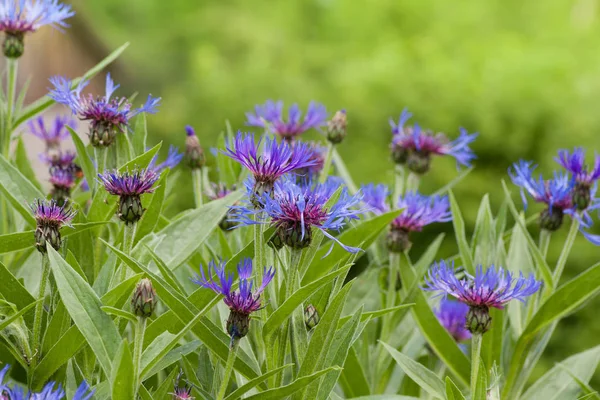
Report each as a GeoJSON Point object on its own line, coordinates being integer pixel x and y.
{"type": "Point", "coordinates": [53, 134]}
{"type": "Point", "coordinates": [575, 164]}
{"type": "Point", "coordinates": [173, 159]}
{"type": "Point", "coordinates": [133, 183]}
{"type": "Point", "coordinates": [376, 197]}
{"type": "Point", "coordinates": [453, 316]}
{"type": "Point", "coordinates": [30, 15]}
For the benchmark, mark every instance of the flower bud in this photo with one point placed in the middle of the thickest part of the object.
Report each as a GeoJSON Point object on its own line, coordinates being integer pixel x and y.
{"type": "Point", "coordinates": [14, 44]}
{"type": "Point", "coordinates": [311, 317]}
{"type": "Point", "coordinates": [194, 154]}
{"type": "Point", "coordinates": [551, 219]}
{"type": "Point", "coordinates": [397, 241]}
{"type": "Point", "coordinates": [238, 324]}
{"type": "Point", "coordinates": [103, 134]}
{"type": "Point", "coordinates": [478, 320]}
{"type": "Point", "coordinates": [399, 153]}
{"type": "Point", "coordinates": [293, 238]}
{"type": "Point", "coordinates": [275, 242]}
{"type": "Point", "coordinates": [259, 190]}
{"type": "Point", "coordinates": [47, 234]}
{"type": "Point", "coordinates": [226, 224]}
{"type": "Point", "coordinates": [418, 163]}
{"type": "Point", "coordinates": [144, 299]}
{"type": "Point", "coordinates": [336, 128]}
{"type": "Point", "coordinates": [130, 209]}
{"type": "Point", "coordinates": [581, 196]}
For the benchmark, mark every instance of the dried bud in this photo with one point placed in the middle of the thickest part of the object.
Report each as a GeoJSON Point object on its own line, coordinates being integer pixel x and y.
{"type": "Point", "coordinates": [103, 134]}
{"type": "Point", "coordinates": [194, 154]}
{"type": "Point", "coordinates": [238, 324]}
{"type": "Point", "coordinates": [397, 240]}
{"type": "Point", "coordinates": [336, 128]}
{"type": "Point", "coordinates": [551, 219]}
{"type": "Point", "coordinates": [14, 44]}
{"type": "Point", "coordinates": [130, 209]}
{"type": "Point", "coordinates": [478, 320]}
{"type": "Point", "coordinates": [418, 163]}
{"type": "Point", "coordinates": [144, 299]}
{"type": "Point", "coordinates": [311, 317]}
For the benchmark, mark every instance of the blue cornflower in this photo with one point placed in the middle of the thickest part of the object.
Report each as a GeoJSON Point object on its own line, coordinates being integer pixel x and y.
{"type": "Point", "coordinates": [52, 135]}
{"type": "Point", "coordinates": [584, 178]}
{"type": "Point", "coordinates": [414, 146]}
{"type": "Point", "coordinates": [83, 392]}
{"type": "Point", "coordinates": [295, 209]}
{"type": "Point", "coordinates": [270, 115]}
{"type": "Point", "coordinates": [493, 288]}
{"type": "Point", "coordinates": [20, 17]}
{"type": "Point", "coordinates": [173, 159]}
{"type": "Point", "coordinates": [48, 391]}
{"type": "Point", "coordinates": [376, 197]}
{"type": "Point", "coordinates": [108, 116]}
{"type": "Point", "coordinates": [62, 181]}
{"type": "Point", "coordinates": [317, 156]}
{"type": "Point", "coordinates": [274, 161]}
{"type": "Point", "coordinates": [129, 186]}
{"type": "Point", "coordinates": [558, 194]}
{"type": "Point", "coordinates": [50, 217]}
{"type": "Point", "coordinates": [453, 317]}
{"type": "Point", "coordinates": [241, 302]}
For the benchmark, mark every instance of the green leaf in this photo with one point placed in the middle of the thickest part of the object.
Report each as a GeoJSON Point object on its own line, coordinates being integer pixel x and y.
{"type": "Point", "coordinates": [284, 391]}
{"type": "Point", "coordinates": [481, 384]}
{"type": "Point", "coordinates": [446, 188]}
{"type": "Point", "coordinates": [236, 394]}
{"type": "Point", "coordinates": [45, 102]}
{"type": "Point", "coordinates": [461, 238]}
{"type": "Point", "coordinates": [354, 379]}
{"type": "Point", "coordinates": [12, 290]}
{"type": "Point", "coordinates": [83, 159]}
{"type": "Point", "coordinates": [362, 234]}
{"type": "Point", "coordinates": [173, 356]}
{"type": "Point", "coordinates": [140, 134]}
{"type": "Point", "coordinates": [452, 391]}
{"type": "Point", "coordinates": [375, 314]}
{"type": "Point", "coordinates": [4, 323]}
{"type": "Point", "coordinates": [296, 299]}
{"type": "Point", "coordinates": [585, 388]}
{"type": "Point", "coordinates": [149, 219]}
{"type": "Point", "coordinates": [122, 380]}
{"type": "Point", "coordinates": [558, 384]}
{"type": "Point", "coordinates": [119, 313]}
{"type": "Point", "coordinates": [425, 378]}
{"type": "Point", "coordinates": [85, 310]}
{"type": "Point", "coordinates": [18, 190]}
{"type": "Point", "coordinates": [340, 166]}
{"type": "Point", "coordinates": [22, 163]}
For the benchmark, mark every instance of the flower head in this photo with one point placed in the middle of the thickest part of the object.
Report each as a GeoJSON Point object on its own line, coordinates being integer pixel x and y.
{"type": "Point", "coordinates": [107, 115]}
{"type": "Point", "coordinates": [376, 197]}
{"type": "Point", "coordinates": [274, 161]}
{"type": "Point", "coordinates": [173, 159]}
{"type": "Point", "coordinates": [50, 217]}
{"type": "Point", "coordinates": [336, 128]}
{"type": "Point", "coordinates": [270, 115]}
{"type": "Point", "coordinates": [453, 316]}
{"type": "Point", "coordinates": [242, 301]}
{"type": "Point", "coordinates": [55, 133]}
{"type": "Point", "coordinates": [143, 300]}
{"type": "Point", "coordinates": [62, 182]}
{"type": "Point", "coordinates": [575, 164]}
{"type": "Point", "coordinates": [414, 146]}
{"type": "Point", "coordinates": [83, 392]}
{"type": "Point", "coordinates": [129, 186]}
{"type": "Point", "coordinates": [60, 159]}
{"type": "Point", "coordinates": [23, 16]}
{"type": "Point", "coordinates": [194, 154]}
{"type": "Point", "coordinates": [49, 392]}
{"type": "Point", "coordinates": [295, 209]}
{"type": "Point", "coordinates": [317, 156]}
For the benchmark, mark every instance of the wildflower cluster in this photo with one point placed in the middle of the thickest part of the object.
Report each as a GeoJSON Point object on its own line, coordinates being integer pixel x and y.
{"type": "Point", "coordinates": [51, 391]}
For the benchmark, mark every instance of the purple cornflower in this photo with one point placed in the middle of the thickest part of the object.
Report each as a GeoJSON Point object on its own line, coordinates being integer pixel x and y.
{"type": "Point", "coordinates": [494, 288]}
{"type": "Point", "coordinates": [584, 179]}
{"type": "Point", "coordinates": [173, 159]}
{"type": "Point", "coordinates": [453, 317]}
{"type": "Point", "coordinates": [270, 115]}
{"type": "Point", "coordinates": [414, 146]}
{"type": "Point", "coordinates": [183, 393]}
{"type": "Point", "coordinates": [59, 159]}
{"type": "Point", "coordinates": [23, 16]}
{"type": "Point", "coordinates": [62, 182]}
{"type": "Point", "coordinates": [108, 116]}
{"type": "Point", "coordinates": [50, 217]}
{"type": "Point", "coordinates": [241, 302]}
{"type": "Point", "coordinates": [274, 161]}
{"type": "Point", "coordinates": [295, 209]}
{"type": "Point", "coordinates": [317, 156]}
{"type": "Point", "coordinates": [558, 194]}
{"type": "Point", "coordinates": [55, 133]}
{"type": "Point", "coordinates": [129, 186]}
{"type": "Point", "coordinates": [376, 197]}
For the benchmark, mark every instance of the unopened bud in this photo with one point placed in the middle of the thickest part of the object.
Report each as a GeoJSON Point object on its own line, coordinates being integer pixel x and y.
{"type": "Point", "coordinates": [478, 320]}
{"type": "Point", "coordinates": [581, 196]}
{"type": "Point", "coordinates": [311, 317]}
{"type": "Point", "coordinates": [399, 153]}
{"type": "Point", "coordinates": [336, 128]}
{"type": "Point", "coordinates": [418, 162]}
{"type": "Point", "coordinates": [194, 155]}
{"type": "Point", "coordinates": [144, 299]}
{"type": "Point", "coordinates": [238, 324]}
{"type": "Point", "coordinates": [47, 234]}
{"type": "Point", "coordinates": [275, 242]}
{"type": "Point", "coordinates": [293, 236]}
{"type": "Point", "coordinates": [397, 241]}
{"type": "Point", "coordinates": [551, 219]}
{"type": "Point", "coordinates": [103, 134]}
{"type": "Point", "coordinates": [130, 209]}
{"type": "Point", "coordinates": [14, 44]}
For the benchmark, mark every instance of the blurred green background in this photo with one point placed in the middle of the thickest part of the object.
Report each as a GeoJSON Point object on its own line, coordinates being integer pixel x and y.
{"type": "Point", "coordinates": [525, 75]}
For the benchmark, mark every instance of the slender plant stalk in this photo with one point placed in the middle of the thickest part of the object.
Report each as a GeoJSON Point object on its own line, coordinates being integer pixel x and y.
{"type": "Point", "coordinates": [327, 163]}
{"type": "Point", "coordinates": [228, 369]}
{"type": "Point", "coordinates": [128, 237]}
{"type": "Point", "coordinates": [137, 352]}
{"type": "Point", "coordinates": [100, 153]}
{"type": "Point", "coordinates": [562, 260]}
{"type": "Point", "coordinates": [412, 182]}
{"type": "Point", "coordinates": [399, 183]}
{"type": "Point", "coordinates": [39, 310]}
{"type": "Point", "coordinates": [197, 181]}
{"type": "Point", "coordinates": [545, 236]}
{"type": "Point", "coordinates": [11, 85]}
{"type": "Point", "coordinates": [476, 341]}
{"type": "Point", "coordinates": [291, 287]}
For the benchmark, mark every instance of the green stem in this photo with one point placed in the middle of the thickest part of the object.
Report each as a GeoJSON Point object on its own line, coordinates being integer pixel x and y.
{"type": "Point", "coordinates": [137, 352]}
{"type": "Point", "coordinates": [544, 241]}
{"type": "Point", "coordinates": [128, 237]}
{"type": "Point", "coordinates": [399, 183]}
{"type": "Point", "coordinates": [100, 155]}
{"type": "Point", "coordinates": [476, 341]}
{"type": "Point", "coordinates": [291, 287]}
{"type": "Point", "coordinates": [562, 260]}
{"type": "Point", "coordinates": [327, 163]}
{"type": "Point", "coordinates": [39, 310]}
{"type": "Point", "coordinates": [197, 182]}
{"type": "Point", "coordinates": [228, 369]}
{"type": "Point", "coordinates": [11, 85]}
{"type": "Point", "coordinates": [412, 182]}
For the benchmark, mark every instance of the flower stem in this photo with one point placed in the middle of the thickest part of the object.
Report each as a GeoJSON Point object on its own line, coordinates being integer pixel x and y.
{"type": "Point", "coordinates": [197, 181]}
{"type": "Point", "coordinates": [259, 259]}
{"type": "Point", "coordinates": [11, 85]}
{"type": "Point", "coordinates": [327, 163]}
{"type": "Point", "coordinates": [228, 369]}
{"type": "Point", "coordinates": [544, 241]}
{"type": "Point", "coordinates": [412, 182]}
{"type": "Point", "coordinates": [562, 260]}
{"type": "Point", "coordinates": [296, 321]}
{"type": "Point", "coordinates": [476, 341]}
{"type": "Point", "coordinates": [399, 184]}
{"type": "Point", "coordinates": [39, 310]}
{"type": "Point", "coordinates": [100, 155]}
{"type": "Point", "coordinates": [128, 237]}
{"type": "Point", "coordinates": [137, 352]}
